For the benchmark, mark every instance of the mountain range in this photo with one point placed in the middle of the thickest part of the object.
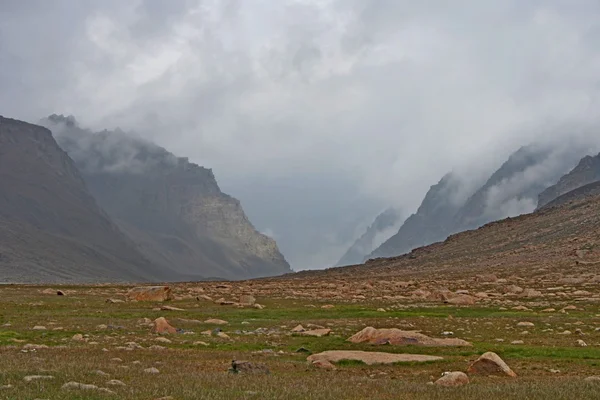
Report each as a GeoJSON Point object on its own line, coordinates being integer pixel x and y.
{"type": "Point", "coordinates": [110, 206]}
{"type": "Point", "coordinates": [537, 170]}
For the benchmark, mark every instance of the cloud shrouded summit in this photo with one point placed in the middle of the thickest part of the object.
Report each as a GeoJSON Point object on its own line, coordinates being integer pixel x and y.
{"type": "Point", "coordinates": [316, 114]}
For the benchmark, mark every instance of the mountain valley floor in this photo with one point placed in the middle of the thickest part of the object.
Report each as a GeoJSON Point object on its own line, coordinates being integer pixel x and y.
{"type": "Point", "coordinates": [547, 331]}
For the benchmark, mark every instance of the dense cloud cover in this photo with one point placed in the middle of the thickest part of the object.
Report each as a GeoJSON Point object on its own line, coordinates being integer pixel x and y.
{"type": "Point", "coordinates": [317, 114]}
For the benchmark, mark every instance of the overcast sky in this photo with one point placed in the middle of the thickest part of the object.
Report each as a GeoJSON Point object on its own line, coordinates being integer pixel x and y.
{"type": "Point", "coordinates": [317, 114]}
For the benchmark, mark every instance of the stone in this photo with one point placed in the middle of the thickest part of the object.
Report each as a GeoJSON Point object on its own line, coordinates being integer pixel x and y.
{"type": "Point", "coordinates": [531, 293]}
{"type": "Point", "coordinates": [460, 300]}
{"type": "Point", "coordinates": [78, 386]}
{"type": "Point", "coordinates": [162, 326]}
{"type": "Point", "coordinates": [31, 378]}
{"type": "Point", "coordinates": [115, 382]}
{"type": "Point", "coordinates": [490, 364]}
{"type": "Point", "coordinates": [369, 357]}
{"type": "Point", "coordinates": [162, 340]}
{"type": "Point", "coordinates": [581, 343]}
{"type": "Point", "coordinates": [215, 321]}
{"type": "Point", "coordinates": [150, 293]}
{"type": "Point", "coordinates": [323, 364]}
{"type": "Point", "coordinates": [78, 337]}
{"type": "Point", "coordinates": [152, 370]}
{"type": "Point", "coordinates": [594, 379]}
{"type": "Point", "coordinates": [223, 335]}
{"type": "Point", "coordinates": [169, 308]}
{"type": "Point", "coordinates": [316, 332]}
{"type": "Point", "coordinates": [39, 328]}
{"type": "Point", "coordinates": [298, 329]}
{"type": "Point", "coordinates": [396, 336]}
{"type": "Point", "coordinates": [114, 301]}
{"type": "Point", "coordinates": [525, 323]}
{"type": "Point", "coordinates": [452, 379]}
{"type": "Point", "coordinates": [247, 300]}
{"type": "Point", "coordinates": [246, 367]}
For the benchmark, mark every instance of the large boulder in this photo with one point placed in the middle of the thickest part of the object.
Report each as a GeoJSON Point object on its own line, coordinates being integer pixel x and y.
{"type": "Point", "coordinates": [396, 336]}
{"type": "Point", "coordinates": [490, 364]}
{"type": "Point", "coordinates": [369, 357]}
{"type": "Point", "coordinates": [450, 379]}
{"type": "Point", "coordinates": [150, 293]}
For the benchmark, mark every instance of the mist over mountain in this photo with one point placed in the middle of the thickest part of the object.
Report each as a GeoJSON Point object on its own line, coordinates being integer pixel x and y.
{"type": "Point", "coordinates": [512, 190]}
{"type": "Point", "coordinates": [383, 227]}
{"type": "Point", "coordinates": [172, 209]}
{"type": "Point", "coordinates": [586, 172]}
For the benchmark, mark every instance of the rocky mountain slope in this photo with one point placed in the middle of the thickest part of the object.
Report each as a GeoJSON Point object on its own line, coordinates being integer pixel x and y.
{"type": "Point", "coordinates": [173, 209]}
{"type": "Point", "coordinates": [562, 240]}
{"type": "Point", "coordinates": [431, 223]}
{"type": "Point", "coordinates": [510, 191]}
{"type": "Point", "coordinates": [586, 172]}
{"type": "Point", "coordinates": [383, 227]}
{"type": "Point", "coordinates": [51, 228]}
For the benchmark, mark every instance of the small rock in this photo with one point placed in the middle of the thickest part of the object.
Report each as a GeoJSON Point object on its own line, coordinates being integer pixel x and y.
{"type": "Point", "coordinates": [246, 367]}
{"type": "Point", "coordinates": [152, 370]}
{"type": "Point", "coordinates": [162, 326]}
{"type": "Point", "coordinates": [524, 323]}
{"type": "Point", "coordinates": [169, 308]}
{"type": "Point", "coordinates": [581, 343]}
{"type": "Point", "coordinates": [39, 328]}
{"type": "Point", "coordinates": [31, 378]}
{"type": "Point", "coordinates": [450, 379]}
{"type": "Point", "coordinates": [78, 337]}
{"type": "Point", "coordinates": [247, 300]}
{"type": "Point", "coordinates": [115, 382]}
{"type": "Point", "coordinates": [215, 321]}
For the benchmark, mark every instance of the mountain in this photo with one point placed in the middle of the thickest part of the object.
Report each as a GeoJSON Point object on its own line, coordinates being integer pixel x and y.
{"type": "Point", "coordinates": [510, 191]}
{"type": "Point", "coordinates": [589, 190]}
{"type": "Point", "coordinates": [51, 229]}
{"type": "Point", "coordinates": [431, 223]}
{"type": "Point", "coordinates": [171, 208]}
{"type": "Point", "coordinates": [382, 228]}
{"type": "Point", "coordinates": [545, 245]}
{"type": "Point", "coordinates": [586, 172]}
{"type": "Point", "coordinates": [513, 189]}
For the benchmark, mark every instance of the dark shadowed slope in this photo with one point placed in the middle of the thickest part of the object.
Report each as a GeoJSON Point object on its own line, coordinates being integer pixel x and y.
{"type": "Point", "coordinates": [173, 209]}
{"type": "Point", "coordinates": [51, 228]}
{"type": "Point", "coordinates": [431, 223]}
{"type": "Point", "coordinates": [587, 171]}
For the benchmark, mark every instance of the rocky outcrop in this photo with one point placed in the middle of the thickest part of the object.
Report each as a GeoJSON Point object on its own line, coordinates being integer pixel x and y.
{"type": "Point", "coordinates": [385, 226]}
{"type": "Point", "coordinates": [172, 209]}
{"type": "Point", "coordinates": [394, 336]}
{"type": "Point", "coordinates": [51, 228]}
{"type": "Point", "coordinates": [586, 172]}
{"type": "Point", "coordinates": [491, 364]}
{"type": "Point", "coordinates": [369, 357]}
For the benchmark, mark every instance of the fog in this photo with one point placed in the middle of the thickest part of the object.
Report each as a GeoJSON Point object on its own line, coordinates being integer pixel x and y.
{"type": "Point", "coordinates": [316, 114]}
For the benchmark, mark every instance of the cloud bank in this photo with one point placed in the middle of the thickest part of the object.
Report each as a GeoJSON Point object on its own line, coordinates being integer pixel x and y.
{"type": "Point", "coordinates": [317, 114]}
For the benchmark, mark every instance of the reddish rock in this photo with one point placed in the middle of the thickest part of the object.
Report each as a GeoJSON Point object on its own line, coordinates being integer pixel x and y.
{"type": "Point", "coordinates": [162, 326]}
{"type": "Point", "coordinates": [150, 293]}
{"type": "Point", "coordinates": [490, 364]}
{"type": "Point", "coordinates": [396, 336]}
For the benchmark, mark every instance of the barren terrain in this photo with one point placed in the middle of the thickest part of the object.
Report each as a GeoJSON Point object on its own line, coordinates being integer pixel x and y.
{"type": "Point", "coordinates": [525, 289]}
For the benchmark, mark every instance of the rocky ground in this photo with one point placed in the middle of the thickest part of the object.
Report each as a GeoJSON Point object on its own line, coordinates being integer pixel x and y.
{"type": "Point", "coordinates": [511, 310]}
{"type": "Point", "coordinates": [291, 340]}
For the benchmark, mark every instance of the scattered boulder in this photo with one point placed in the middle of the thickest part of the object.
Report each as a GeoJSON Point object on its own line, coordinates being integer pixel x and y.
{"type": "Point", "coordinates": [247, 367]}
{"type": "Point", "coordinates": [452, 379]}
{"type": "Point", "coordinates": [152, 370]}
{"type": "Point", "coordinates": [526, 323]}
{"type": "Point", "coordinates": [370, 357]}
{"type": "Point", "coordinates": [162, 326]}
{"type": "Point", "coordinates": [315, 332]}
{"type": "Point", "coordinates": [115, 382]}
{"type": "Point", "coordinates": [60, 293]}
{"type": "Point", "coordinates": [150, 293]}
{"type": "Point", "coordinates": [490, 364]}
{"type": "Point", "coordinates": [298, 329]}
{"type": "Point", "coordinates": [169, 308]}
{"type": "Point", "coordinates": [247, 300]}
{"type": "Point", "coordinates": [396, 336]}
{"type": "Point", "coordinates": [594, 379]}
{"type": "Point", "coordinates": [460, 299]}
{"type": "Point", "coordinates": [215, 321]}
{"type": "Point", "coordinates": [323, 364]}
